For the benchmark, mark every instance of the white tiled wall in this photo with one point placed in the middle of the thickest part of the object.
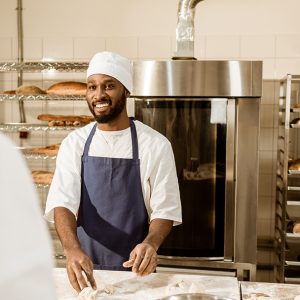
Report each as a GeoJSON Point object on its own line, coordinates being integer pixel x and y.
{"type": "Point", "coordinates": [266, 30]}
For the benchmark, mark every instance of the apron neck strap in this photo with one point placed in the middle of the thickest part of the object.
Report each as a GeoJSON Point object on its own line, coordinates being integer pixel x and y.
{"type": "Point", "coordinates": [134, 140]}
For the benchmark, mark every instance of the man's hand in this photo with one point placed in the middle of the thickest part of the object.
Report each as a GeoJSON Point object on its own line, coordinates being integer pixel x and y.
{"type": "Point", "coordinates": [80, 270]}
{"type": "Point", "coordinates": [142, 259]}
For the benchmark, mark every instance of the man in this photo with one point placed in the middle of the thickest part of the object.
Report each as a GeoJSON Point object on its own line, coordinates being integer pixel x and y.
{"type": "Point", "coordinates": [25, 251]}
{"type": "Point", "coordinates": [118, 178]}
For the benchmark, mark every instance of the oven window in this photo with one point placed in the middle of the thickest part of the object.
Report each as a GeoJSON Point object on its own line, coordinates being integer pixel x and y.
{"type": "Point", "coordinates": [200, 150]}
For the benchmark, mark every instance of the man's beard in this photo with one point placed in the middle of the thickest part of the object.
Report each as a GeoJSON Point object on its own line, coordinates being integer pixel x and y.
{"type": "Point", "coordinates": [114, 111]}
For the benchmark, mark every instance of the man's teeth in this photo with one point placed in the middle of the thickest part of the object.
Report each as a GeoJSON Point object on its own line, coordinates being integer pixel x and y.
{"type": "Point", "coordinates": [99, 105]}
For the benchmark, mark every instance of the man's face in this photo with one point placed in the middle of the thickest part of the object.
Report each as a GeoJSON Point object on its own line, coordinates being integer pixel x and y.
{"type": "Point", "coordinates": [106, 97]}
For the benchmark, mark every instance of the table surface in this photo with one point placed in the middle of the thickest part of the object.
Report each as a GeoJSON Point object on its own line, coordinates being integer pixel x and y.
{"type": "Point", "coordinates": [274, 291]}
{"type": "Point", "coordinates": [126, 285]}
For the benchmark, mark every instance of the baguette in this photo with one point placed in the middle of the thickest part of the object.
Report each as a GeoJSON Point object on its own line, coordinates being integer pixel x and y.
{"type": "Point", "coordinates": [68, 88]}
{"type": "Point", "coordinates": [65, 120]}
{"type": "Point", "coordinates": [294, 164]}
{"type": "Point", "coordinates": [29, 90]}
{"type": "Point", "coordinates": [9, 92]}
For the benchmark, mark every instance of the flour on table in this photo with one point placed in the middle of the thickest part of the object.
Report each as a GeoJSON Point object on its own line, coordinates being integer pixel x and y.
{"type": "Point", "coordinates": [89, 293]}
{"type": "Point", "coordinates": [197, 287]}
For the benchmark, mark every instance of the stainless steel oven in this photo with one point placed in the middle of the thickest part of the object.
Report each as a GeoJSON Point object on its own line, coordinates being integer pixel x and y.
{"type": "Point", "coordinates": [209, 110]}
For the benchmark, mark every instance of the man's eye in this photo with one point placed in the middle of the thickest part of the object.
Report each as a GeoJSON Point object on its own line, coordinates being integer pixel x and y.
{"type": "Point", "coordinates": [92, 87]}
{"type": "Point", "coordinates": [110, 86]}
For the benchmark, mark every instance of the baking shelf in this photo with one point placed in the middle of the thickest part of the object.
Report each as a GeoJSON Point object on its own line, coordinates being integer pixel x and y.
{"type": "Point", "coordinates": [42, 97]}
{"type": "Point", "coordinates": [293, 236]}
{"type": "Point", "coordinates": [15, 127]}
{"type": "Point", "coordinates": [41, 186]}
{"type": "Point", "coordinates": [39, 156]}
{"type": "Point", "coordinates": [294, 172]}
{"type": "Point", "coordinates": [29, 155]}
{"type": "Point", "coordinates": [293, 188]}
{"type": "Point", "coordinates": [292, 263]}
{"type": "Point", "coordinates": [43, 66]}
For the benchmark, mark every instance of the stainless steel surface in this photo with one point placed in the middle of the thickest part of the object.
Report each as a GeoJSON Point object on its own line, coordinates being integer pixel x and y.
{"type": "Point", "coordinates": [247, 129]}
{"type": "Point", "coordinates": [230, 182]}
{"type": "Point", "coordinates": [198, 83]}
{"type": "Point", "coordinates": [20, 57]}
{"type": "Point", "coordinates": [243, 271]}
{"type": "Point", "coordinates": [187, 78]}
{"type": "Point", "coordinates": [196, 296]}
{"type": "Point", "coordinates": [43, 66]}
{"type": "Point", "coordinates": [185, 28]}
{"type": "Point", "coordinates": [40, 97]}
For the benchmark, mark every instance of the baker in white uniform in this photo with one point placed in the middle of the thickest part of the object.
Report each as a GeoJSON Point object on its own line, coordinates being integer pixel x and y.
{"type": "Point", "coordinates": [114, 195]}
{"type": "Point", "coordinates": [25, 251]}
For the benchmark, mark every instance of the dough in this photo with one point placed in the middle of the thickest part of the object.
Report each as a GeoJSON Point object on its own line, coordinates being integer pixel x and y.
{"type": "Point", "coordinates": [89, 293]}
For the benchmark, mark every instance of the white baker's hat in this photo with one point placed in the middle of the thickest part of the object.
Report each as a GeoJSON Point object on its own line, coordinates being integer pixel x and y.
{"type": "Point", "coordinates": [114, 65]}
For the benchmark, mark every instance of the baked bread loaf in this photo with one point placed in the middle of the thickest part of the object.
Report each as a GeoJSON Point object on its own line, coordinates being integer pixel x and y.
{"type": "Point", "coordinates": [29, 90]}
{"type": "Point", "coordinates": [296, 121]}
{"type": "Point", "coordinates": [296, 227]}
{"type": "Point", "coordinates": [42, 177]}
{"type": "Point", "coordinates": [63, 120]}
{"type": "Point", "coordinates": [50, 150]}
{"type": "Point", "coordinates": [294, 164]}
{"type": "Point", "coordinates": [9, 92]}
{"type": "Point", "coordinates": [68, 88]}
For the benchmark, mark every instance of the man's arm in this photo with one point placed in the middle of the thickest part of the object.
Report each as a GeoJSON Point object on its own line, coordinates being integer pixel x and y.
{"type": "Point", "coordinates": [143, 258]}
{"type": "Point", "coordinates": [77, 260]}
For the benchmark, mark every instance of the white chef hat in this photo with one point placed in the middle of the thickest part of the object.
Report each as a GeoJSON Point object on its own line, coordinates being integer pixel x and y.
{"type": "Point", "coordinates": [114, 65]}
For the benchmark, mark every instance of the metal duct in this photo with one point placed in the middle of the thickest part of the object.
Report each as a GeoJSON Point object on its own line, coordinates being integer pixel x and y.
{"type": "Point", "coordinates": [185, 29]}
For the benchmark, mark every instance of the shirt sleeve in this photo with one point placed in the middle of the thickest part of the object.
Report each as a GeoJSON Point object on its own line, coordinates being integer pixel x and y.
{"type": "Point", "coordinates": [65, 188]}
{"type": "Point", "coordinates": [165, 198]}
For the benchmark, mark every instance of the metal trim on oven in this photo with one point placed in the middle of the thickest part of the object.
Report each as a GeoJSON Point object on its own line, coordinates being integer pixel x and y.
{"type": "Point", "coordinates": [230, 182]}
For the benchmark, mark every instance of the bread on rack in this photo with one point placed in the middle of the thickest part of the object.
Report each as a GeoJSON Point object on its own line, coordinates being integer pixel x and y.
{"type": "Point", "coordinates": [42, 177]}
{"type": "Point", "coordinates": [295, 121]}
{"type": "Point", "coordinates": [297, 105]}
{"type": "Point", "coordinates": [296, 227]}
{"type": "Point", "coordinates": [65, 120]}
{"type": "Point", "coordinates": [294, 164]}
{"type": "Point", "coordinates": [29, 90]}
{"type": "Point", "coordinates": [50, 150]}
{"type": "Point", "coordinates": [9, 92]}
{"type": "Point", "coordinates": [68, 88]}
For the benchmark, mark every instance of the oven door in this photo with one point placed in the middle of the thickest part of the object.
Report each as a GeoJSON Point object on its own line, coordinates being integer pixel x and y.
{"type": "Point", "coordinates": [197, 130]}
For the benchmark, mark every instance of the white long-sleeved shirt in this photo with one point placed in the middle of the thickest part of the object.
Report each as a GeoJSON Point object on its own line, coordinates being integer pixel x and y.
{"type": "Point", "coordinates": [25, 251]}
{"type": "Point", "coordinates": [158, 171]}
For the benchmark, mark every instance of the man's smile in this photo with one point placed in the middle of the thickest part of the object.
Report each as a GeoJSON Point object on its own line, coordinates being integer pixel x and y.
{"type": "Point", "coordinates": [101, 106]}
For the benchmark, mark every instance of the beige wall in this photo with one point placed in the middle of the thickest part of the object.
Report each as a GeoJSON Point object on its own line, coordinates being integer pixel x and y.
{"type": "Point", "coordinates": [66, 30]}
{"type": "Point", "coordinates": [144, 29]}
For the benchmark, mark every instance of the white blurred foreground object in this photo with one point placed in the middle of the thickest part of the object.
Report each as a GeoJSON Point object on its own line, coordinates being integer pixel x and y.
{"type": "Point", "coordinates": [25, 252]}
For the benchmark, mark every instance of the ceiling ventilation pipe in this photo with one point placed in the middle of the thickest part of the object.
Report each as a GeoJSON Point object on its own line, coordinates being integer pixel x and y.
{"type": "Point", "coordinates": [185, 29]}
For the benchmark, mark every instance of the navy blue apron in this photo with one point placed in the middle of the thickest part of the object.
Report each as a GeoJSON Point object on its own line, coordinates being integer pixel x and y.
{"type": "Point", "coordinates": [112, 217]}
